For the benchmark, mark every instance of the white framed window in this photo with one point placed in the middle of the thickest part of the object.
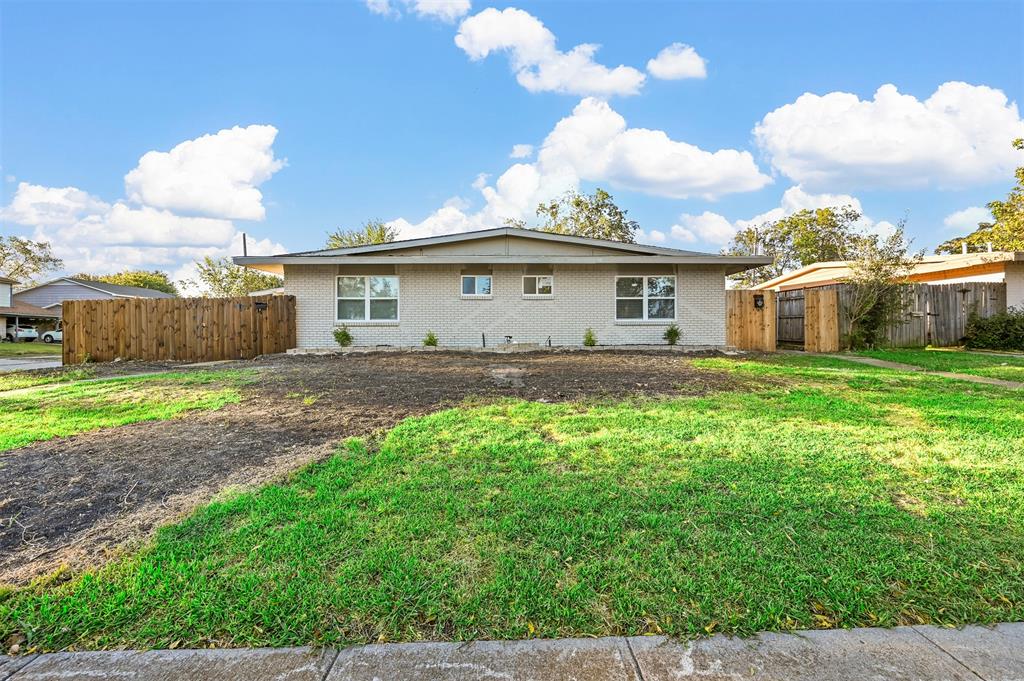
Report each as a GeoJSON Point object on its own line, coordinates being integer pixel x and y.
{"type": "Point", "coordinates": [645, 298]}
{"type": "Point", "coordinates": [476, 286]}
{"type": "Point", "coordinates": [367, 299]}
{"type": "Point", "coordinates": [538, 285]}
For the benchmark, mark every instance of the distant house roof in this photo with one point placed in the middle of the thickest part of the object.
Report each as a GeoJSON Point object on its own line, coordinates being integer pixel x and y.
{"type": "Point", "coordinates": [931, 268]}
{"type": "Point", "coordinates": [7, 280]}
{"type": "Point", "coordinates": [425, 251]}
{"type": "Point", "coordinates": [26, 310]}
{"type": "Point", "coordinates": [112, 289]}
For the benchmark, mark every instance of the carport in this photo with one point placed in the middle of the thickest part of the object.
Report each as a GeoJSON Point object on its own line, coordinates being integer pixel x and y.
{"type": "Point", "coordinates": [17, 313]}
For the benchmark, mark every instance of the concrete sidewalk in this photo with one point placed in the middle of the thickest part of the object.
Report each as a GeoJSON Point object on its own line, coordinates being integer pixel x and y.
{"type": "Point", "coordinates": [903, 653]}
{"type": "Point", "coordinates": [20, 363]}
{"type": "Point", "coordinates": [886, 364]}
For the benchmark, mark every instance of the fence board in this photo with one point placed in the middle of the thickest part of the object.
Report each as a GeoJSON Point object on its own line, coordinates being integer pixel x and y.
{"type": "Point", "coordinates": [190, 329]}
{"type": "Point", "coordinates": [821, 320]}
{"type": "Point", "coordinates": [747, 326]}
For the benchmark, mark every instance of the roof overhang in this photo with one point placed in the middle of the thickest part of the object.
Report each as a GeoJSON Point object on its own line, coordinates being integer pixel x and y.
{"type": "Point", "coordinates": [275, 263]}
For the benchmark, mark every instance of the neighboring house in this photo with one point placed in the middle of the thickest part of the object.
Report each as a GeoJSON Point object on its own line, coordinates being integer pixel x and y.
{"type": "Point", "coordinates": [506, 284]}
{"type": "Point", "coordinates": [276, 291]}
{"type": "Point", "coordinates": [15, 312]}
{"type": "Point", "coordinates": [51, 294]}
{"type": "Point", "coordinates": [998, 266]}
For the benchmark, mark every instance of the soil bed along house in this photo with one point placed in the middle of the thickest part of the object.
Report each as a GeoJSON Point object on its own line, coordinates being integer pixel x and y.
{"type": "Point", "coordinates": [507, 285]}
{"type": "Point", "coordinates": [70, 501]}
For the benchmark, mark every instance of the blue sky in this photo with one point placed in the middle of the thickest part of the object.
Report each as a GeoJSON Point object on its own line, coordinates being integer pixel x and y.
{"type": "Point", "coordinates": [364, 112]}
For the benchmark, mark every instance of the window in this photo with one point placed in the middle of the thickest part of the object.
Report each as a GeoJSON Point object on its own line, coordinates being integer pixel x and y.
{"type": "Point", "coordinates": [478, 285]}
{"type": "Point", "coordinates": [538, 285]}
{"type": "Point", "coordinates": [367, 299]}
{"type": "Point", "coordinates": [645, 298]}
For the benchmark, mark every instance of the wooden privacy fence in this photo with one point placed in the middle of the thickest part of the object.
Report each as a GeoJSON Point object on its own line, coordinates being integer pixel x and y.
{"type": "Point", "coordinates": [750, 320]}
{"type": "Point", "coordinates": [933, 314]}
{"type": "Point", "coordinates": [821, 320]}
{"type": "Point", "coordinates": [187, 329]}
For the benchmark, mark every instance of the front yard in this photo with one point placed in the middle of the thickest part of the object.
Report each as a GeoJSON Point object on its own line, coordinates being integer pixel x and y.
{"type": "Point", "coordinates": [21, 349]}
{"type": "Point", "coordinates": [992, 365]}
{"type": "Point", "coordinates": [773, 493]}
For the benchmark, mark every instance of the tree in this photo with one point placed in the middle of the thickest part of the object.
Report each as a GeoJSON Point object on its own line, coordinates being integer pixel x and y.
{"type": "Point", "coordinates": [154, 280]}
{"type": "Point", "coordinates": [23, 259]}
{"type": "Point", "coordinates": [878, 272]}
{"type": "Point", "coordinates": [593, 216]}
{"type": "Point", "coordinates": [221, 278]}
{"type": "Point", "coordinates": [1007, 232]}
{"type": "Point", "coordinates": [372, 232]}
{"type": "Point", "coordinates": [797, 240]}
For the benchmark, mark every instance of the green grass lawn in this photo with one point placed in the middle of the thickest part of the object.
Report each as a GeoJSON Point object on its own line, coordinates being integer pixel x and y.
{"type": "Point", "coordinates": [33, 348]}
{"type": "Point", "coordinates": [16, 380]}
{"type": "Point", "coordinates": [837, 495]}
{"type": "Point", "coordinates": [45, 413]}
{"type": "Point", "coordinates": [1006, 367]}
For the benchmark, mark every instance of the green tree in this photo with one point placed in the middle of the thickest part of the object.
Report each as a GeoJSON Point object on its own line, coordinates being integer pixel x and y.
{"type": "Point", "coordinates": [797, 240]}
{"type": "Point", "coordinates": [1006, 233]}
{"type": "Point", "coordinates": [878, 271]}
{"type": "Point", "coordinates": [372, 232]}
{"type": "Point", "coordinates": [221, 278]}
{"type": "Point", "coordinates": [151, 279]}
{"type": "Point", "coordinates": [24, 260]}
{"type": "Point", "coordinates": [594, 216]}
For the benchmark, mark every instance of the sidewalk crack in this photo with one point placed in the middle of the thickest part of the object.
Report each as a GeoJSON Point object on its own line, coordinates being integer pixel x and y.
{"type": "Point", "coordinates": [632, 656]}
{"type": "Point", "coordinates": [334, 652]}
{"type": "Point", "coordinates": [948, 654]}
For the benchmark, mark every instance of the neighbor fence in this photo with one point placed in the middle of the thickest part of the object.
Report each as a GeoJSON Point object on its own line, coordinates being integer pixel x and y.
{"type": "Point", "coordinates": [186, 329]}
{"type": "Point", "coordinates": [932, 314]}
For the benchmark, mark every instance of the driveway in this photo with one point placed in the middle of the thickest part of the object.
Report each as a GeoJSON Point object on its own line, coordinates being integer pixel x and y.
{"type": "Point", "coordinates": [22, 363]}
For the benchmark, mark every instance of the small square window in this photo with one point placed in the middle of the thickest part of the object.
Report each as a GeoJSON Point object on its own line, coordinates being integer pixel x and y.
{"type": "Point", "coordinates": [476, 284]}
{"type": "Point", "coordinates": [539, 285]}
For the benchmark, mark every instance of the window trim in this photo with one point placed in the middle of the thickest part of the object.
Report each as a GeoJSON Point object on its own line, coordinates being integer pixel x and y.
{"type": "Point", "coordinates": [646, 318]}
{"type": "Point", "coordinates": [475, 296]}
{"type": "Point", "coordinates": [366, 300]}
{"type": "Point", "coordinates": [540, 296]}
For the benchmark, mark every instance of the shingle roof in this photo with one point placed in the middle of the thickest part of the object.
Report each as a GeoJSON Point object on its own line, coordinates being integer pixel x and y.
{"type": "Point", "coordinates": [118, 290]}
{"type": "Point", "coordinates": [26, 310]}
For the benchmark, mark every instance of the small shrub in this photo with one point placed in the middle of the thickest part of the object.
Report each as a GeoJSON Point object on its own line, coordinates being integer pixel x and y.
{"type": "Point", "coordinates": [343, 336]}
{"type": "Point", "coordinates": [589, 339]}
{"type": "Point", "coordinates": [1003, 331]}
{"type": "Point", "coordinates": [672, 334]}
{"type": "Point", "coordinates": [430, 340]}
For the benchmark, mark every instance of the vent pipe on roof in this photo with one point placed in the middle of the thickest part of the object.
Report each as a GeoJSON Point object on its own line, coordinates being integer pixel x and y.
{"type": "Point", "coordinates": [963, 247]}
{"type": "Point", "coordinates": [989, 246]}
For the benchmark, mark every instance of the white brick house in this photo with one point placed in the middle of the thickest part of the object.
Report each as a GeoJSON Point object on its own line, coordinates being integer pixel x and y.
{"type": "Point", "coordinates": [499, 285]}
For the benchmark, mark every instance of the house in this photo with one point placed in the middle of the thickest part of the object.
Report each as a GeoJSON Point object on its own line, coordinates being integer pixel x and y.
{"type": "Point", "coordinates": [998, 266]}
{"type": "Point", "coordinates": [50, 295]}
{"type": "Point", "coordinates": [14, 312]}
{"type": "Point", "coordinates": [503, 285]}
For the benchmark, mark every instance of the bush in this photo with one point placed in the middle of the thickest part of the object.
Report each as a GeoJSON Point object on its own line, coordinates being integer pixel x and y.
{"type": "Point", "coordinates": [589, 339]}
{"type": "Point", "coordinates": [430, 340]}
{"type": "Point", "coordinates": [672, 334]}
{"type": "Point", "coordinates": [1003, 331]}
{"type": "Point", "coordinates": [343, 337]}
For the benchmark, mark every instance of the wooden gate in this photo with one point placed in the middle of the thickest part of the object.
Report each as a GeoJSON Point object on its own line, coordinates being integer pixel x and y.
{"type": "Point", "coordinates": [790, 324]}
{"type": "Point", "coordinates": [186, 329]}
{"type": "Point", "coordinates": [821, 320]}
{"type": "Point", "coordinates": [750, 320]}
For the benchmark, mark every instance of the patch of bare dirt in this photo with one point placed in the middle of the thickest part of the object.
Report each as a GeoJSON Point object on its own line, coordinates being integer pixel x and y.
{"type": "Point", "coordinates": [74, 502]}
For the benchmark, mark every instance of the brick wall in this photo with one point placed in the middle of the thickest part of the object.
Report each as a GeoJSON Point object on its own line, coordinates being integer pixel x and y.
{"type": "Point", "coordinates": [584, 296]}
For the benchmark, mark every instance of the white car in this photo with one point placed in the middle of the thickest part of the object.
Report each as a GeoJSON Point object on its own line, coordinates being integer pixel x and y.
{"type": "Point", "coordinates": [55, 336]}
{"type": "Point", "coordinates": [21, 332]}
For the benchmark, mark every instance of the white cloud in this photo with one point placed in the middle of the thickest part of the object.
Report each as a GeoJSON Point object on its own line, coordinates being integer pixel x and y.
{"type": "Point", "coordinates": [539, 65]}
{"type": "Point", "coordinates": [91, 235]}
{"type": "Point", "coordinates": [594, 144]}
{"type": "Point", "coordinates": [215, 175]}
{"type": "Point", "coordinates": [957, 137]}
{"type": "Point", "coordinates": [34, 204]}
{"type": "Point", "coordinates": [708, 227]}
{"type": "Point", "coordinates": [656, 236]}
{"type": "Point", "coordinates": [678, 61]}
{"type": "Point", "coordinates": [967, 220]}
{"type": "Point", "coordinates": [445, 10]}
{"type": "Point", "coordinates": [521, 151]}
